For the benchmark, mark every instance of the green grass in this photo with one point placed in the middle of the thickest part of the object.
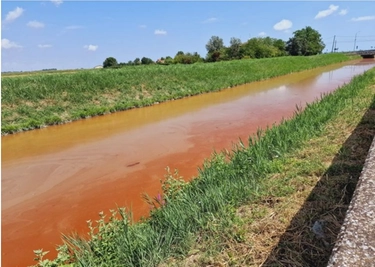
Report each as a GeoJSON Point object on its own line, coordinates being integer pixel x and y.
{"type": "Point", "coordinates": [314, 182]}
{"type": "Point", "coordinates": [38, 100]}
{"type": "Point", "coordinates": [193, 212]}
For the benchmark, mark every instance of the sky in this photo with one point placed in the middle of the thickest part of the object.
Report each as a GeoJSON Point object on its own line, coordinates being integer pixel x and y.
{"type": "Point", "coordinates": [70, 34]}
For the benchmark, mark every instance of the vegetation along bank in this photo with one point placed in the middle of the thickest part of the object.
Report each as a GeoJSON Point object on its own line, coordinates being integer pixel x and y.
{"type": "Point", "coordinates": [242, 201]}
{"type": "Point", "coordinates": [39, 100]}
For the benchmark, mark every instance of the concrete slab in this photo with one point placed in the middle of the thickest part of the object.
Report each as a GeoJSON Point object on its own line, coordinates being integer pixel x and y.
{"type": "Point", "coordinates": [355, 244]}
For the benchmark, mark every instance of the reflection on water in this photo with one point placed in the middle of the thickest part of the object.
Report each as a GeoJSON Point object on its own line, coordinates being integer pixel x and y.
{"type": "Point", "coordinates": [56, 178]}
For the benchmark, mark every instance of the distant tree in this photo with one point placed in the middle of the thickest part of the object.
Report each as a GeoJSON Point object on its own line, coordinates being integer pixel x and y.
{"type": "Point", "coordinates": [137, 61]}
{"type": "Point", "coordinates": [146, 61]}
{"type": "Point", "coordinates": [109, 62]}
{"type": "Point", "coordinates": [215, 49]}
{"type": "Point", "coordinates": [294, 47]}
{"type": "Point", "coordinates": [220, 55]}
{"type": "Point", "coordinates": [188, 58]}
{"type": "Point", "coordinates": [234, 50]}
{"type": "Point", "coordinates": [281, 46]}
{"type": "Point", "coordinates": [168, 60]}
{"type": "Point", "coordinates": [197, 57]}
{"type": "Point", "coordinates": [263, 47]}
{"type": "Point", "coordinates": [213, 57]}
{"type": "Point", "coordinates": [215, 44]}
{"type": "Point", "coordinates": [305, 42]}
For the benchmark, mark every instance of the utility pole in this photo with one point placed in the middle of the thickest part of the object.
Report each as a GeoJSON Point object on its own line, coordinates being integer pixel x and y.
{"type": "Point", "coordinates": [333, 43]}
{"type": "Point", "coordinates": [355, 39]}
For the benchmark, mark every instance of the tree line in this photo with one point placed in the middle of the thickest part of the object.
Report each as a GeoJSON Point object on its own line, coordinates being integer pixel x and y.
{"type": "Point", "coordinates": [305, 42]}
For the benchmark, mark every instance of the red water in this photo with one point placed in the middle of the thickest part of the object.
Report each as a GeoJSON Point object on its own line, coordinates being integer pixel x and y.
{"type": "Point", "coordinates": [54, 179]}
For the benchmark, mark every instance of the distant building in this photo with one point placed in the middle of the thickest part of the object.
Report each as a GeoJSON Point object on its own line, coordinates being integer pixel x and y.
{"type": "Point", "coordinates": [98, 67]}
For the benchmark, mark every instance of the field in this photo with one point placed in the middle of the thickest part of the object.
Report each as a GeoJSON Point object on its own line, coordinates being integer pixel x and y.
{"type": "Point", "coordinates": [42, 99]}
{"type": "Point", "coordinates": [253, 205]}
{"type": "Point", "coordinates": [30, 73]}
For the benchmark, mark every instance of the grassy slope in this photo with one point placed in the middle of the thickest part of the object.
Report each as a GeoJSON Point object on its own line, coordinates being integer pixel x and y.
{"type": "Point", "coordinates": [314, 183]}
{"type": "Point", "coordinates": [237, 209]}
{"type": "Point", "coordinates": [34, 101]}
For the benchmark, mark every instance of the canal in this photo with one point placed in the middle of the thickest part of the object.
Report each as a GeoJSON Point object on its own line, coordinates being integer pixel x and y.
{"type": "Point", "coordinates": [55, 179]}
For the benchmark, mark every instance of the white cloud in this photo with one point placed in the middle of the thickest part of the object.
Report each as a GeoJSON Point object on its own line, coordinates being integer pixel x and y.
{"type": "Point", "coordinates": [73, 27]}
{"type": "Point", "coordinates": [142, 26]}
{"type": "Point", "coordinates": [35, 24]}
{"type": "Point", "coordinates": [327, 12]}
{"type": "Point", "coordinates": [262, 34]}
{"type": "Point", "coordinates": [210, 20]}
{"type": "Point", "coordinates": [160, 32]}
{"type": "Point", "coordinates": [283, 25]}
{"type": "Point", "coordinates": [6, 44]}
{"type": "Point", "coordinates": [44, 46]}
{"type": "Point", "coordinates": [343, 12]}
{"type": "Point", "coordinates": [363, 18]}
{"type": "Point", "coordinates": [70, 28]}
{"type": "Point", "coordinates": [12, 15]}
{"type": "Point", "coordinates": [91, 47]}
{"type": "Point", "coordinates": [57, 2]}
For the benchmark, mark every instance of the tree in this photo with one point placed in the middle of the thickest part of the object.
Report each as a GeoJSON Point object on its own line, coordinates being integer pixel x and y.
{"type": "Point", "coordinates": [305, 42]}
{"type": "Point", "coordinates": [234, 50]}
{"type": "Point", "coordinates": [137, 61]}
{"type": "Point", "coordinates": [109, 62]}
{"type": "Point", "coordinates": [188, 58]}
{"type": "Point", "coordinates": [263, 47]}
{"type": "Point", "coordinates": [280, 45]}
{"type": "Point", "coordinates": [215, 49]}
{"type": "Point", "coordinates": [146, 61]}
{"type": "Point", "coordinates": [215, 44]}
{"type": "Point", "coordinates": [168, 60]}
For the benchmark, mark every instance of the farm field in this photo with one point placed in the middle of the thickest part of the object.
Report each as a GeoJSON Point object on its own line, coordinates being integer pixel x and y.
{"type": "Point", "coordinates": [31, 73]}
{"type": "Point", "coordinates": [39, 100]}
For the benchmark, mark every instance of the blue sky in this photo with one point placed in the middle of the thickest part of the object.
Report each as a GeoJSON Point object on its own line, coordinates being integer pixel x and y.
{"type": "Point", "coordinates": [70, 34]}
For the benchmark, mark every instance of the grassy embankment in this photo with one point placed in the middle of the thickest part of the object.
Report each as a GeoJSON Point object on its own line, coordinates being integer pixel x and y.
{"type": "Point", "coordinates": [34, 101]}
{"type": "Point", "coordinates": [238, 208]}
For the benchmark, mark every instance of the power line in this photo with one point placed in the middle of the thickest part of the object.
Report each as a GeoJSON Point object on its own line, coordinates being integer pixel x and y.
{"type": "Point", "coordinates": [358, 41]}
{"type": "Point", "coordinates": [357, 36]}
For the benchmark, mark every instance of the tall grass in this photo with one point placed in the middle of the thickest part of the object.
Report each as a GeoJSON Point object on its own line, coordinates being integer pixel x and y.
{"type": "Point", "coordinates": [225, 181]}
{"type": "Point", "coordinates": [38, 100]}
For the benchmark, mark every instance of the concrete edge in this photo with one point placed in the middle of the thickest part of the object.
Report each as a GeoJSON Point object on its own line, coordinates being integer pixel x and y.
{"type": "Point", "coordinates": [355, 245]}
